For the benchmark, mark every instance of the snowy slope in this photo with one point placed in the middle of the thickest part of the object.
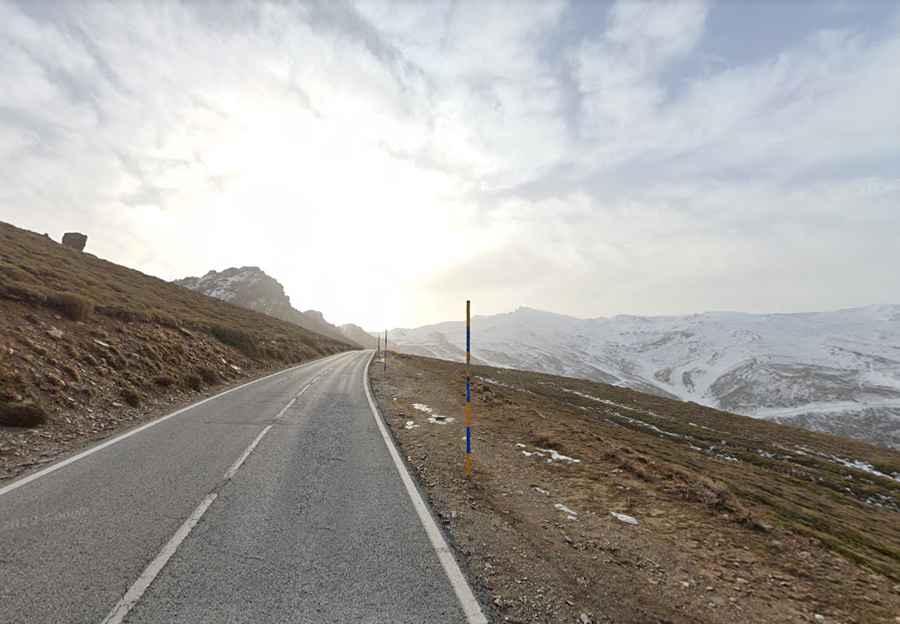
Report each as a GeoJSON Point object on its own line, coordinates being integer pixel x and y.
{"type": "Point", "coordinates": [833, 371]}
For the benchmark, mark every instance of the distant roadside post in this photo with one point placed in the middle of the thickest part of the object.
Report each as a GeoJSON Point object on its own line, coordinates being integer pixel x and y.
{"type": "Point", "coordinates": [385, 350]}
{"type": "Point", "coordinates": [468, 412]}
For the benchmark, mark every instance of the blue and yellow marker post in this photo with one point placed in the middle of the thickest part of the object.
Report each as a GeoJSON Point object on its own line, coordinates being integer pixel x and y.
{"type": "Point", "coordinates": [468, 390]}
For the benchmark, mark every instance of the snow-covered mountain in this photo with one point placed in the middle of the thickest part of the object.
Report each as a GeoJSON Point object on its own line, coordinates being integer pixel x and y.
{"type": "Point", "coordinates": [830, 371]}
{"type": "Point", "coordinates": [250, 287]}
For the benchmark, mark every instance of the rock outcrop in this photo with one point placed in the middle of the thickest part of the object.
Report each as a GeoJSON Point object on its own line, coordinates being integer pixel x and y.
{"type": "Point", "coordinates": [250, 287]}
{"type": "Point", "coordinates": [358, 335]}
{"type": "Point", "coordinates": [75, 240]}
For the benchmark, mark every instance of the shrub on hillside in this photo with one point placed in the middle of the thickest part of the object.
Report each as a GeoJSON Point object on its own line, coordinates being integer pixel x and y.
{"type": "Point", "coordinates": [209, 376]}
{"type": "Point", "coordinates": [123, 314]}
{"type": "Point", "coordinates": [545, 439]}
{"type": "Point", "coordinates": [164, 381]}
{"type": "Point", "coordinates": [22, 292]}
{"type": "Point", "coordinates": [240, 340]}
{"type": "Point", "coordinates": [12, 273]}
{"type": "Point", "coordinates": [192, 381]}
{"type": "Point", "coordinates": [21, 414]}
{"type": "Point", "coordinates": [71, 372]}
{"type": "Point", "coordinates": [164, 319]}
{"type": "Point", "coordinates": [72, 306]}
{"type": "Point", "coordinates": [131, 396]}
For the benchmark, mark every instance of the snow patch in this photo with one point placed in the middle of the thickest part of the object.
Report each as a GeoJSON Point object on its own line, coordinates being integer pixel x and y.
{"type": "Point", "coordinates": [855, 464]}
{"type": "Point", "coordinates": [554, 456]}
{"type": "Point", "coordinates": [437, 419]}
{"type": "Point", "coordinates": [625, 518]}
{"type": "Point", "coordinates": [550, 454]}
{"type": "Point", "coordinates": [612, 403]}
{"type": "Point", "coordinates": [653, 428]}
{"type": "Point", "coordinates": [434, 419]}
{"type": "Point", "coordinates": [571, 514]}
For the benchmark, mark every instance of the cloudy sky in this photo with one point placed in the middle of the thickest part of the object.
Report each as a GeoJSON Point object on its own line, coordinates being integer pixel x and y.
{"type": "Point", "coordinates": [385, 161]}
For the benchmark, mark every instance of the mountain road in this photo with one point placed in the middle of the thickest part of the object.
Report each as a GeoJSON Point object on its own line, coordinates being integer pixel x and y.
{"type": "Point", "coordinates": [282, 500]}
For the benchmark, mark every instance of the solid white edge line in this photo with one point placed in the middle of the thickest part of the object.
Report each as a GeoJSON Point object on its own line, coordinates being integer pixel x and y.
{"type": "Point", "coordinates": [99, 447]}
{"type": "Point", "coordinates": [134, 593]}
{"type": "Point", "coordinates": [470, 605]}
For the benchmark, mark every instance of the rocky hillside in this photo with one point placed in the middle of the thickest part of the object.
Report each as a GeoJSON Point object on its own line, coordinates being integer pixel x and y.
{"type": "Point", "coordinates": [596, 503]}
{"type": "Point", "coordinates": [250, 287]}
{"type": "Point", "coordinates": [358, 335]}
{"type": "Point", "coordinates": [837, 372]}
{"type": "Point", "coordinates": [87, 346]}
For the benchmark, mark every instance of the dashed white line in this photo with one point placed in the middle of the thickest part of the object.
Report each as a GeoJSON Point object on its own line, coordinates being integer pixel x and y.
{"type": "Point", "coordinates": [240, 461]}
{"type": "Point", "coordinates": [140, 586]}
{"type": "Point", "coordinates": [74, 458]}
{"type": "Point", "coordinates": [134, 593]}
{"type": "Point", "coordinates": [285, 408]}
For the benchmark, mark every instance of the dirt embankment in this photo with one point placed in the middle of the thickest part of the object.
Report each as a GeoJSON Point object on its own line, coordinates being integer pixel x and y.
{"type": "Point", "coordinates": [87, 347]}
{"type": "Point", "coordinates": [597, 504]}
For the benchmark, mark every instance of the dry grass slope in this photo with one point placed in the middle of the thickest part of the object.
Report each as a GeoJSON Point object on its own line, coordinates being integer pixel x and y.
{"type": "Point", "coordinates": [36, 271]}
{"type": "Point", "coordinates": [87, 345]}
{"type": "Point", "coordinates": [740, 519]}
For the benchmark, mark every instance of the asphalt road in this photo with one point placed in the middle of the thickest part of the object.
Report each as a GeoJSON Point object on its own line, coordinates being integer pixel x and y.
{"type": "Point", "coordinates": [316, 524]}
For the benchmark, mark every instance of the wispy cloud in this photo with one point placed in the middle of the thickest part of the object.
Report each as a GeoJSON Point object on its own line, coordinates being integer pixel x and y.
{"type": "Point", "coordinates": [385, 160]}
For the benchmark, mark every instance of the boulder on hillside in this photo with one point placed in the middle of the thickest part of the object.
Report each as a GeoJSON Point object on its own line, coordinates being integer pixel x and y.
{"type": "Point", "coordinates": [358, 335]}
{"type": "Point", "coordinates": [75, 240]}
{"type": "Point", "coordinates": [316, 316]}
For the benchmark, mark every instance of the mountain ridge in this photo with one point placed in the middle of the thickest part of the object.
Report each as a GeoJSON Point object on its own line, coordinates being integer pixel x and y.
{"type": "Point", "coordinates": [836, 371]}
{"type": "Point", "coordinates": [252, 288]}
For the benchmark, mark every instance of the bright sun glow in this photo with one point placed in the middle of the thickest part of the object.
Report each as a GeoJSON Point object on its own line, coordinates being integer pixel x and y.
{"type": "Point", "coordinates": [387, 161]}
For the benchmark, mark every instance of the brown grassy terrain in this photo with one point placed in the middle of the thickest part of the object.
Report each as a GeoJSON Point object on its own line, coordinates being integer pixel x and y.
{"type": "Point", "coordinates": [87, 346]}
{"type": "Point", "coordinates": [739, 520]}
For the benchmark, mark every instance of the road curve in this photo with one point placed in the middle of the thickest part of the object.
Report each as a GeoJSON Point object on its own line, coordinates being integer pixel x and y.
{"type": "Point", "coordinates": [276, 502]}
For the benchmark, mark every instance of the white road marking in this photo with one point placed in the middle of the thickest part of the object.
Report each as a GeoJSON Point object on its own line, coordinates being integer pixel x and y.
{"type": "Point", "coordinates": [134, 593]}
{"type": "Point", "coordinates": [71, 460]}
{"type": "Point", "coordinates": [299, 394]}
{"type": "Point", "coordinates": [285, 408]}
{"type": "Point", "coordinates": [236, 465]}
{"type": "Point", "coordinates": [464, 594]}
